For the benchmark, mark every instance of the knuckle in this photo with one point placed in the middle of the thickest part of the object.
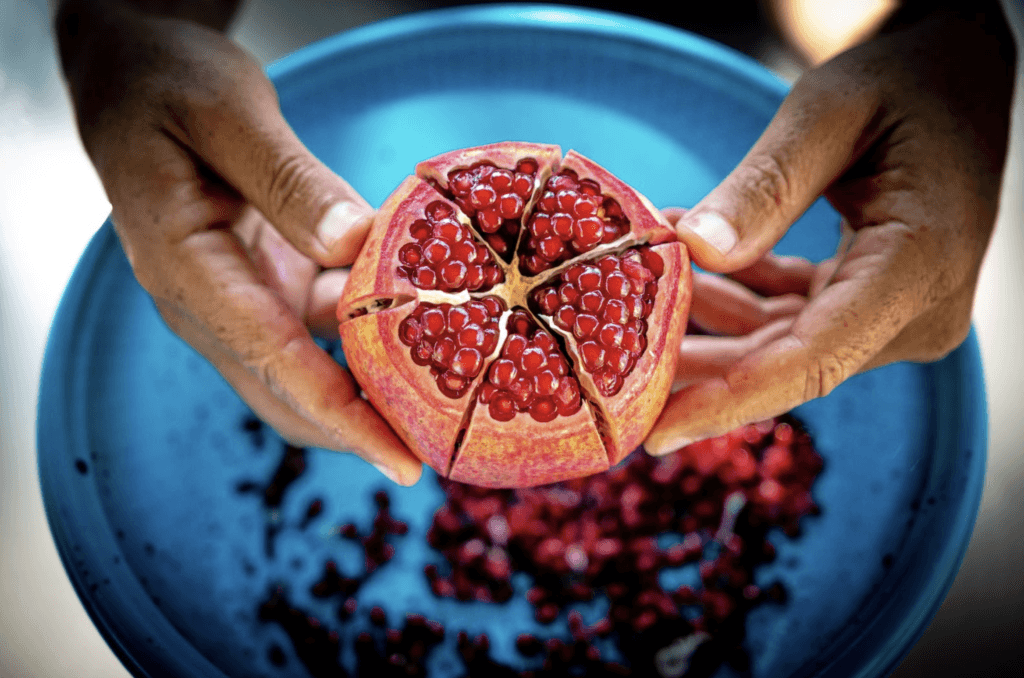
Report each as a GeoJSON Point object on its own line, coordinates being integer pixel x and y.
{"type": "Point", "coordinates": [289, 177]}
{"type": "Point", "coordinates": [823, 375]}
{"type": "Point", "coordinates": [766, 181]}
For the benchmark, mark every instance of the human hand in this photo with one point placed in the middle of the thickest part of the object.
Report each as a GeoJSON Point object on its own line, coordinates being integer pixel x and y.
{"type": "Point", "coordinates": [227, 219]}
{"type": "Point", "coordinates": [906, 137]}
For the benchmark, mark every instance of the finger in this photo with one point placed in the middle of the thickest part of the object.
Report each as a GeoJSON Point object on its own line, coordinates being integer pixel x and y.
{"type": "Point", "coordinates": [238, 129]}
{"type": "Point", "coordinates": [816, 134]}
{"type": "Point", "coordinates": [267, 354]}
{"type": "Point", "coordinates": [322, 316]}
{"type": "Point", "coordinates": [723, 306]}
{"type": "Point", "coordinates": [875, 293]}
{"type": "Point", "coordinates": [702, 358]}
{"type": "Point", "coordinates": [774, 274]}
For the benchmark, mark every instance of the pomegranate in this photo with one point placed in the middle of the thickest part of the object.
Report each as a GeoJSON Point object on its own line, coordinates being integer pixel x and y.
{"type": "Point", "coordinates": [515, 315]}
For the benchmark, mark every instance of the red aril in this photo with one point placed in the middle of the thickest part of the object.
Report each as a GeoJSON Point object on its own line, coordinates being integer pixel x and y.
{"type": "Point", "coordinates": [516, 315]}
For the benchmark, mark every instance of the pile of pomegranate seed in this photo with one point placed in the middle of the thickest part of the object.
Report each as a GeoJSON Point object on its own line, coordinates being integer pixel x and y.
{"type": "Point", "coordinates": [444, 255]}
{"type": "Point", "coordinates": [604, 536]}
{"type": "Point", "coordinates": [496, 197]}
{"type": "Point", "coordinates": [531, 375]}
{"type": "Point", "coordinates": [572, 217]}
{"type": "Point", "coordinates": [605, 304]}
{"type": "Point", "coordinates": [611, 536]}
{"type": "Point", "coordinates": [453, 340]}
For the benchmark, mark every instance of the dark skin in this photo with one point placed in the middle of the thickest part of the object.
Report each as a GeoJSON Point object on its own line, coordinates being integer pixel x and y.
{"type": "Point", "coordinates": [241, 235]}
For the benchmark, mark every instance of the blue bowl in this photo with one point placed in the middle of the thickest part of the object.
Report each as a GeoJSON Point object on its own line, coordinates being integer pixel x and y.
{"type": "Point", "coordinates": [145, 453]}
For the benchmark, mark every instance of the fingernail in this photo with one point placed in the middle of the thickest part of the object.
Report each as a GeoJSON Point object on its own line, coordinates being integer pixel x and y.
{"type": "Point", "coordinates": [338, 222]}
{"type": "Point", "coordinates": [386, 472]}
{"type": "Point", "coordinates": [662, 450]}
{"type": "Point", "coordinates": [712, 229]}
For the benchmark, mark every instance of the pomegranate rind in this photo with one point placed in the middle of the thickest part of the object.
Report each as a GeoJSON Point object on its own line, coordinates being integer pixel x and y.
{"type": "Point", "coordinates": [630, 414]}
{"type": "Point", "coordinates": [524, 452]}
{"type": "Point", "coordinates": [646, 222]}
{"type": "Point", "coordinates": [504, 154]}
{"type": "Point", "coordinates": [373, 274]}
{"type": "Point", "coordinates": [403, 392]}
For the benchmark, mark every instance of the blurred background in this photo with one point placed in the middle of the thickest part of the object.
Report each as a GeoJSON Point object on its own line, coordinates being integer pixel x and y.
{"type": "Point", "coordinates": [51, 203]}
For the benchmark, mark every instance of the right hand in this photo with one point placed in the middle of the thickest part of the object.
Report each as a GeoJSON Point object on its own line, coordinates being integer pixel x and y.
{"type": "Point", "coordinates": [228, 221]}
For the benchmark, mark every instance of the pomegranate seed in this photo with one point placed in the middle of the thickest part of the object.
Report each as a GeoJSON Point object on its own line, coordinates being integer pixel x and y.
{"type": "Point", "coordinates": [540, 225]}
{"type": "Point", "coordinates": [425, 278]}
{"type": "Point", "coordinates": [585, 206]}
{"type": "Point", "coordinates": [514, 347]}
{"type": "Point", "coordinates": [501, 180]}
{"type": "Point", "coordinates": [511, 206]}
{"type": "Point", "coordinates": [547, 202]}
{"type": "Point", "coordinates": [410, 254]}
{"type": "Point", "coordinates": [420, 229]}
{"type": "Point", "coordinates": [611, 334]}
{"type": "Point", "coordinates": [451, 384]}
{"type": "Point", "coordinates": [615, 312]}
{"type": "Point", "coordinates": [617, 285]}
{"type": "Point", "coordinates": [444, 349]}
{"type": "Point", "coordinates": [558, 365]}
{"type": "Point", "coordinates": [457, 317]}
{"type": "Point", "coordinates": [494, 305]}
{"type": "Point", "coordinates": [547, 300]}
{"type": "Point", "coordinates": [547, 384]}
{"type": "Point", "coordinates": [589, 279]}
{"type": "Point", "coordinates": [585, 326]}
{"type": "Point", "coordinates": [522, 185]}
{"type": "Point", "coordinates": [460, 182]}
{"type": "Point", "coordinates": [477, 312]}
{"type": "Point", "coordinates": [591, 302]}
{"type": "Point", "coordinates": [568, 294]}
{"type": "Point", "coordinates": [608, 381]}
{"type": "Point", "coordinates": [483, 195]}
{"type": "Point", "coordinates": [545, 341]}
{"type": "Point", "coordinates": [409, 331]}
{"type": "Point", "coordinates": [527, 166]}
{"type": "Point", "coordinates": [567, 397]}
{"type": "Point", "coordinates": [487, 391]}
{"type": "Point", "coordinates": [618, 360]}
{"type": "Point", "coordinates": [490, 340]}
{"type": "Point", "coordinates": [471, 336]}
{"type": "Point", "coordinates": [438, 210]}
{"type": "Point", "coordinates": [532, 360]}
{"type": "Point", "coordinates": [562, 225]}
{"type": "Point", "coordinates": [502, 407]}
{"type": "Point", "coordinates": [551, 248]}
{"type": "Point", "coordinates": [587, 232]}
{"type": "Point", "coordinates": [453, 273]}
{"type": "Point", "coordinates": [489, 220]}
{"type": "Point", "coordinates": [566, 179]}
{"type": "Point", "coordinates": [592, 355]}
{"type": "Point", "coordinates": [566, 199]}
{"type": "Point", "coordinates": [433, 321]}
{"type": "Point", "coordinates": [565, 317]}
{"type": "Point", "coordinates": [522, 391]}
{"type": "Point", "coordinates": [503, 372]}
{"type": "Point", "coordinates": [436, 251]}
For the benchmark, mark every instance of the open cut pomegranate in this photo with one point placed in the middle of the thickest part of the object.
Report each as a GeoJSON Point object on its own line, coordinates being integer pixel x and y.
{"type": "Point", "coordinates": [515, 315]}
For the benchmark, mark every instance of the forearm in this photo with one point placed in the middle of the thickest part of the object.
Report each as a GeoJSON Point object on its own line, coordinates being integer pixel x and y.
{"type": "Point", "coordinates": [215, 14]}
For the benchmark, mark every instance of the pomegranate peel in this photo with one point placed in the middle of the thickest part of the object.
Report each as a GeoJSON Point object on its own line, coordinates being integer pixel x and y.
{"type": "Point", "coordinates": [515, 316]}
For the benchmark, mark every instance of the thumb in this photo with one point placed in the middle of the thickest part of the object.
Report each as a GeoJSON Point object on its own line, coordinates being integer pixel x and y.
{"type": "Point", "coordinates": [247, 141]}
{"type": "Point", "coordinates": [818, 131]}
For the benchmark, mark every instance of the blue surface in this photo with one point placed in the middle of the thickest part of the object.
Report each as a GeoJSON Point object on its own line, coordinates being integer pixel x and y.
{"type": "Point", "coordinates": [141, 446]}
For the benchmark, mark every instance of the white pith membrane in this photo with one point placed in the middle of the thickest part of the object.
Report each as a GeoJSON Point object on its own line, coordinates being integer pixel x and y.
{"type": "Point", "coordinates": [515, 292]}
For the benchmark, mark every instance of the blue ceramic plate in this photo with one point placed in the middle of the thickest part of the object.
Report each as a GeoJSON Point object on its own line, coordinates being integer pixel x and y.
{"type": "Point", "coordinates": [145, 454]}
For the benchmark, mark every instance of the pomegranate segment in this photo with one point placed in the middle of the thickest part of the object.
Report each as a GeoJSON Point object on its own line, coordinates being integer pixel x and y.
{"type": "Point", "coordinates": [443, 255]}
{"type": "Point", "coordinates": [531, 375]}
{"type": "Point", "coordinates": [453, 341]}
{"type": "Point", "coordinates": [381, 361]}
{"type": "Point", "coordinates": [604, 304]}
{"type": "Point", "coordinates": [627, 413]}
{"type": "Point", "coordinates": [573, 216]}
